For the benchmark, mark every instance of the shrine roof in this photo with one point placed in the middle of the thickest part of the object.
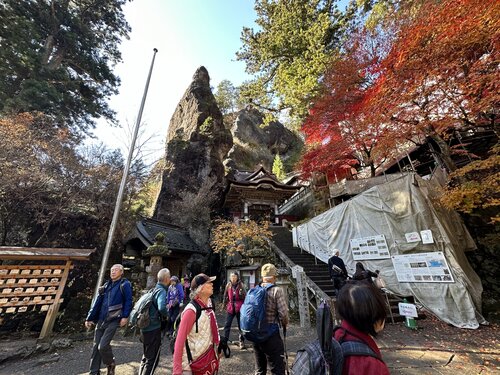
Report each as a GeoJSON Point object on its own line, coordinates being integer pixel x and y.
{"type": "Point", "coordinates": [176, 238]}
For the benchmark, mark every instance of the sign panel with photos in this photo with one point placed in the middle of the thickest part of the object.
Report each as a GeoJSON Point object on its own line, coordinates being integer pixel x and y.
{"type": "Point", "coordinates": [374, 247]}
{"type": "Point", "coordinates": [423, 268]}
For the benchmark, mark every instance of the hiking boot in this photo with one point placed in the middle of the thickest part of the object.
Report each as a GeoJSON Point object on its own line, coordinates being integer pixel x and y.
{"type": "Point", "coordinates": [242, 345]}
{"type": "Point", "coordinates": [111, 369]}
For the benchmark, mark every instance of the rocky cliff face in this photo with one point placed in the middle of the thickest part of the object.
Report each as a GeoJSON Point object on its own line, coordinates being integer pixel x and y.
{"type": "Point", "coordinates": [197, 142]}
{"type": "Point", "coordinates": [255, 144]}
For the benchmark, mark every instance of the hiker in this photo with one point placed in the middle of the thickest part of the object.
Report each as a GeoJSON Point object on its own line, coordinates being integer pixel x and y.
{"type": "Point", "coordinates": [272, 350]}
{"type": "Point", "coordinates": [363, 311]}
{"type": "Point", "coordinates": [363, 275]}
{"type": "Point", "coordinates": [199, 336]}
{"type": "Point", "coordinates": [234, 295]}
{"type": "Point", "coordinates": [110, 309]}
{"type": "Point", "coordinates": [175, 296]}
{"type": "Point", "coordinates": [185, 285]}
{"type": "Point", "coordinates": [338, 272]}
{"type": "Point", "coordinates": [151, 334]}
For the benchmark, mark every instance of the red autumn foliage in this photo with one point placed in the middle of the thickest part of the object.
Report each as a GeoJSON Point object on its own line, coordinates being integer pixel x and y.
{"type": "Point", "coordinates": [414, 77]}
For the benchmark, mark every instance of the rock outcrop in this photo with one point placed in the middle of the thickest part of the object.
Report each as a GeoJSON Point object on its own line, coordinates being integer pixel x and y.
{"type": "Point", "coordinates": [197, 143]}
{"type": "Point", "coordinates": [255, 144]}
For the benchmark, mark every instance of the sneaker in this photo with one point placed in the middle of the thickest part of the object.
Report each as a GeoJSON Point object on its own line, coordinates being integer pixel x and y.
{"type": "Point", "coordinates": [111, 369]}
{"type": "Point", "coordinates": [242, 345]}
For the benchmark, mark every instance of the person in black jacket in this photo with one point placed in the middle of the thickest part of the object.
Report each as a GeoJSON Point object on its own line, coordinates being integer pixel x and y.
{"type": "Point", "coordinates": [364, 275]}
{"type": "Point", "coordinates": [338, 272]}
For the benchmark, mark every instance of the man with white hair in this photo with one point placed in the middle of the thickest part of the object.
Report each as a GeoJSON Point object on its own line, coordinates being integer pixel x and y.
{"type": "Point", "coordinates": [110, 309]}
{"type": "Point", "coordinates": [151, 334]}
{"type": "Point", "coordinates": [338, 272]}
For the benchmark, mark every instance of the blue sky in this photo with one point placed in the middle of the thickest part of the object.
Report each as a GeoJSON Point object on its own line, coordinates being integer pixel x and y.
{"type": "Point", "coordinates": [188, 34]}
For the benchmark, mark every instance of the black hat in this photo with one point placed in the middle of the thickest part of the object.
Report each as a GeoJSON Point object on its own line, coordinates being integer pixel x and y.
{"type": "Point", "coordinates": [200, 280]}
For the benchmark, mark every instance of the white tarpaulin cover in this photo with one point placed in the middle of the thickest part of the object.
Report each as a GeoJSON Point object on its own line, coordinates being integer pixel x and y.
{"type": "Point", "coordinates": [395, 209]}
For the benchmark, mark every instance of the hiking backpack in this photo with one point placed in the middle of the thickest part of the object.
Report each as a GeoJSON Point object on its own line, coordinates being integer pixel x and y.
{"type": "Point", "coordinates": [325, 356]}
{"type": "Point", "coordinates": [253, 316]}
{"type": "Point", "coordinates": [139, 317]}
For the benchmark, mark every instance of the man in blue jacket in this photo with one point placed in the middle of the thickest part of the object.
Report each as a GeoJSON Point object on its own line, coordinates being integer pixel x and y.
{"type": "Point", "coordinates": [151, 335]}
{"type": "Point", "coordinates": [110, 309]}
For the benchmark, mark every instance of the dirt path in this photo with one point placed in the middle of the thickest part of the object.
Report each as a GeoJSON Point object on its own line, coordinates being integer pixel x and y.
{"type": "Point", "coordinates": [436, 348]}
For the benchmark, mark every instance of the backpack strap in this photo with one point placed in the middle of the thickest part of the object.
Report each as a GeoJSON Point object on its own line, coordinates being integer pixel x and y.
{"type": "Point", "coordinates": [355, 347]}
{"type": "Point", "coordinates": [198, 310]}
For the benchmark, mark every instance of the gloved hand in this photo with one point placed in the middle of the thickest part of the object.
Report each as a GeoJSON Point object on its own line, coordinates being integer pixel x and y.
{"type": "Point", "coordinates": [223, 347]}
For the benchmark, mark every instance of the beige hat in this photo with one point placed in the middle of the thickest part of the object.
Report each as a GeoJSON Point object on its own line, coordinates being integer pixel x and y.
{"type": "Point", "coordinates": [269, 270]}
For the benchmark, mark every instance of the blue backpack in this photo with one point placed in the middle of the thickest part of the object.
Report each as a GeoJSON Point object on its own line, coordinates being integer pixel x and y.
{"type": "Point", "coordinates": [253, 316]}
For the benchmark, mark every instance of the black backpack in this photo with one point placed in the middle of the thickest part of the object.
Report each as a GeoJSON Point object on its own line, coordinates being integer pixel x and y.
{"type": "Point", "coordinates": [325, 356]}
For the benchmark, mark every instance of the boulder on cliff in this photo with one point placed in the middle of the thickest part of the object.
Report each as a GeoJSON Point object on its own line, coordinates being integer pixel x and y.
{"type": "Point", "coordinates": [197, 143]}
{"type": "Point", "coordinates": [256, 144]}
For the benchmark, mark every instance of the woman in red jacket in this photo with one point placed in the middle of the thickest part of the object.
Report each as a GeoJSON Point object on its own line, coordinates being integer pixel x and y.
{"type": "Point", "coordinates": [234, 295]}
{"type": "Point", "coordinates": [363, 313]}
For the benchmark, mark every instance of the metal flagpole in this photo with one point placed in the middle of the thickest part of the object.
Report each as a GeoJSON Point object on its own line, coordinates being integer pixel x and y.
{"type": "Point", "coordinates": [119, 198]}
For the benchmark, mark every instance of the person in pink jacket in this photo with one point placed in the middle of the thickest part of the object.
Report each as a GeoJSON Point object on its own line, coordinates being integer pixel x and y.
{"type": "Point", "coordinates": [199, 336]}
{"type": "Point", "coordinates": [234, 295]}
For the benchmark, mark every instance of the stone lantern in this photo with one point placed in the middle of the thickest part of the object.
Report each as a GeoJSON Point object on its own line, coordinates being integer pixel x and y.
{"type": "Point", "coordinates": [156, 252]}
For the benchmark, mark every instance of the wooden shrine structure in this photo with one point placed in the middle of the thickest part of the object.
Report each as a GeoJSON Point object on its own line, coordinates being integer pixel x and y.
{"type": "Point", "coordinates": [35, 278]}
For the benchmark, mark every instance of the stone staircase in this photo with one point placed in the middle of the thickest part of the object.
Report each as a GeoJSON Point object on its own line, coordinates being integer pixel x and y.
{"type": "Point", "coordinates": [317, 271]}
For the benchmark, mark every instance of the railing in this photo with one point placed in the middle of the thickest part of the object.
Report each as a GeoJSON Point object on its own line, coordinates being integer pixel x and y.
{"type": "Point", "coordinates": [311, 285]}
{"type": "Point", "coordinates": [302, 194]}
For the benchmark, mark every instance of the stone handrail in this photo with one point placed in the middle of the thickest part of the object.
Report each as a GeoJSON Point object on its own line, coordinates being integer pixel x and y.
{"type": "Point", "coordinates": [311, 285]}
{"type": "Point", "coordinates": [299, 196]}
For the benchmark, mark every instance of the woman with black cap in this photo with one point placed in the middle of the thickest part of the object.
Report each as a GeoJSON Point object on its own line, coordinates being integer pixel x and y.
{"type": "Point", "coordinates": [195, 350]}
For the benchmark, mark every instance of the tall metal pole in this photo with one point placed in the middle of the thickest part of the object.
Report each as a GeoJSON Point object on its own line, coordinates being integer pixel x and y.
{"type": "Point", "coordinates": [119, 198]}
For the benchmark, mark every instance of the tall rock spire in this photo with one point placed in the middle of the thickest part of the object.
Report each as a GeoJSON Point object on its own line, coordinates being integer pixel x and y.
{"type": "Point", "coordinates": [197, 143]}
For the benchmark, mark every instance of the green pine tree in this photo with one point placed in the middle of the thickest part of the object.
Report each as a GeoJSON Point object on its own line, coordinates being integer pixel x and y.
{"type": "Point", "coordinates": [278, 169]}
{"type": "Point", "coordinates": [57, 57]}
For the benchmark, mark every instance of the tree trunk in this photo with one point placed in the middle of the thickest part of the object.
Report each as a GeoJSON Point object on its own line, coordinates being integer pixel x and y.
{"type": "Point", "coordinates": [444, 151]}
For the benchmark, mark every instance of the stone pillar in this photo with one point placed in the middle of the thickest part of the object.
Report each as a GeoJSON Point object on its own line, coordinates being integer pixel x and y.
{"type": "Point", "coordinates": [155, 265]}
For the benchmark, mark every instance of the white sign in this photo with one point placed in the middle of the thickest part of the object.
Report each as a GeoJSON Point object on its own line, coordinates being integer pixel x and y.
{"type": "Point", "coordinates": [296, 270]}
{"type": "Point", "coordinates": [426, 236]}
{"type": "Point", "coordinates": [408, 309]}
{"type": "Point", "coordinates": [412, 237]}
{"type": "Point", "coordinates": [422, 268]}
{"type": "Point", "coordinates": [374, 247]}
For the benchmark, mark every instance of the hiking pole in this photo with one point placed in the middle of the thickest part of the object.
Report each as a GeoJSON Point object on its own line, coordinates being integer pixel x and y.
{"type": "Point", "coordinates": [286, 353]}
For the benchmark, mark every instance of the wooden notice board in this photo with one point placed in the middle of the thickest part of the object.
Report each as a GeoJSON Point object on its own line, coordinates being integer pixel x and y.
{"type": "Point", "coordinates": [36, 286]}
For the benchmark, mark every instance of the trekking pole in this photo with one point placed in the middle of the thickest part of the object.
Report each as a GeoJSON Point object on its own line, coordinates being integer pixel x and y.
{"type": "Point", "coordinates": [286, 353]}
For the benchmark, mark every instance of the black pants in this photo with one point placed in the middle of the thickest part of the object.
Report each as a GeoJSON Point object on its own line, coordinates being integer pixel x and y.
{"type": "Point", "coordinates": [151, 343]}
{"type": "Point", "coordinates": [101, 350]}
{"type": "Point", "coordinates": [229, 322]}
{"type": "Point", "coordinates": [338, 282]}
{"type": "Point", "coordinates": [272, 351]}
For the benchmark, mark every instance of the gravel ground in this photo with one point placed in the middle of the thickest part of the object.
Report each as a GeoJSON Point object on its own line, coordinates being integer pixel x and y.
{"type": "Point", "coordinates": [436, 348]}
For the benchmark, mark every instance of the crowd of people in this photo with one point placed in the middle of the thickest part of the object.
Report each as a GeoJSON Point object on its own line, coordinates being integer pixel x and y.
{"type": "Point", "coordinates": [198, 346]}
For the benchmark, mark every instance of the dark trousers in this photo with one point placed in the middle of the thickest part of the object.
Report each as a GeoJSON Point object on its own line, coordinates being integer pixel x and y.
{"type": "Point", "coordinates": [270, 351]}
{"type": "Point", "coordinates": [229, 322]}
{"type": "Point", "coordinates": [151, 344]}
{"type": "Point", "coordinates": [338, 282]}
{"type": "Point", "coordinates": [101, 350]}
{"type": "Point", "coordinates": [173, 312]}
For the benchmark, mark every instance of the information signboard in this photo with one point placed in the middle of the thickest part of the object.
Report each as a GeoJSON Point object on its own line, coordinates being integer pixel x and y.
{"type": "Point", "coordinates": [422, 267]}
{"type": "Point", "coordinates": [374, 247]}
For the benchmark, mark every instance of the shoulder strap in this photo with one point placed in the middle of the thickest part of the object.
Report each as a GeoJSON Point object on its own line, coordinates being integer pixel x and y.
{"type": "Point", "coordinates": [198, 310]}
{"type": "Point", "coordinates": [355, 347]}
